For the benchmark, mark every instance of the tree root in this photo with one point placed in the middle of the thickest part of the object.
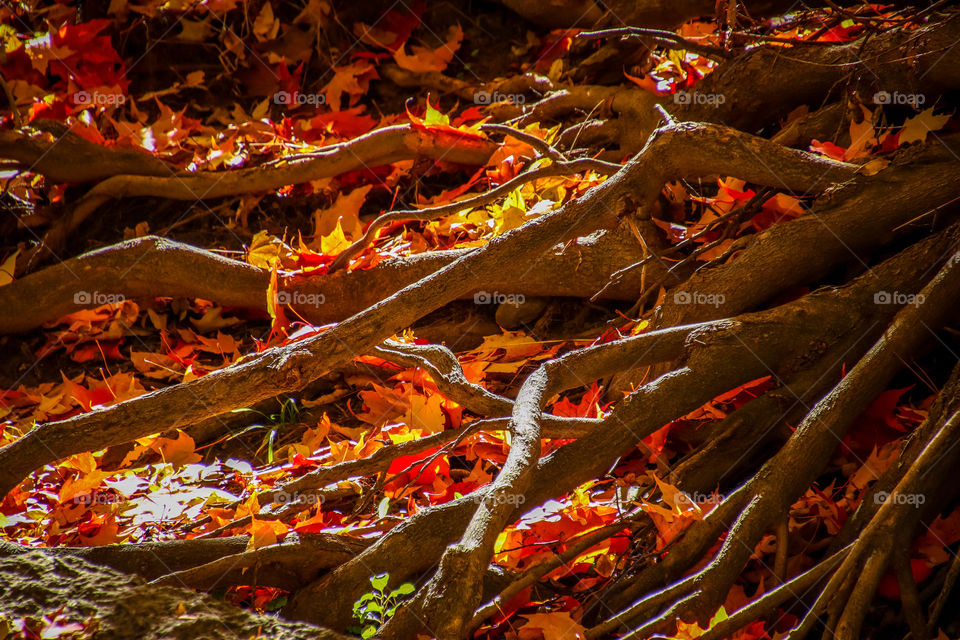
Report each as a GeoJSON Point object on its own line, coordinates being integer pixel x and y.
{"type": "Point", "coordinates": [684, 149]}
{"type": "Point", "coordinates": [152, 266]}
{"type": "Point", "coordinates": [786, 475]}
{"type": "Point", "coordinates": [379, 147]}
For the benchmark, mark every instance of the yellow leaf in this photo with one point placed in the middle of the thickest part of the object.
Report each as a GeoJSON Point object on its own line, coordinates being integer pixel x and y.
{"type": "Point", "coordinates": [874, 167]}
{"type": "Point", "coordinates": [435, 117]}
{"type": "Point", "coordinates": [692, 630]}
{"type": "Point", "coordinates": [425, 413]}
{"type": "Point", "coordinates": [260, 111]}
{"type": "Point", "coordinates": [915, 129]}
{"type": "Point", "coordinates": [266, 251]}
{"type": "Point", "coordinates": [335, 242]}
{"type": "Point", "coordinates": [346, 209]}
{"type": "Point", "coordinates": [195, 30]}
{"type": "Point", "coordinates": [557, 625]}
{"type": "Point", "coordinates": [862, 136]}
{"type": "Point", "coordinates": [272, 299]}
{"type": "Point", "coordinates": [510, 215]}
{"type": "Point", "coordinates": [82, 485]}
{"type": "Point", "coordinates": [315, 13]}
{"type": "Point", "coordinates": [177, 452]}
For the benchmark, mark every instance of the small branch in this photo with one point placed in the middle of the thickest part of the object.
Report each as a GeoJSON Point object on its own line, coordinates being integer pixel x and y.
{"type": "Point", "coordinates": [545, 148]}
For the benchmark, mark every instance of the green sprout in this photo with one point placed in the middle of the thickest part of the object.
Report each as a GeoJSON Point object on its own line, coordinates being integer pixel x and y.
{"type": "Point", "coordinates": [375, 607]}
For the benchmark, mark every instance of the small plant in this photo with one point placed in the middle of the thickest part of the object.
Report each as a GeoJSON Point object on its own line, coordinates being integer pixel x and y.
{"type": "Point", "coordinates": [289, 414]}
{"type": "Point", "coordinates": [376, 607]}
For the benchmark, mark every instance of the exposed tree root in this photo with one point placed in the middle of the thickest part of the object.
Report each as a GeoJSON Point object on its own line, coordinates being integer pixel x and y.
{"type": "Point", "coordinates": [714, 348]}
{"type": "Point", "coordinates": [786, 475]}
{"type": "Point", "coordinates": [152, 266]}
{"type": "Point", "coordinates": [379, 147]}
{"type": "Point", "coordinates": [686, 149]}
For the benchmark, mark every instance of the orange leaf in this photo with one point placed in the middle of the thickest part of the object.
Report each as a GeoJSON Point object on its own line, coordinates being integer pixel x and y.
{"type": "Point", "coordinates": [425, 59]}
{"type": "Point", "coordinates": [265, 532]}
{"type": "Point", "coordinates": [177, 452]}
{"type": "Point", "coordinates": [557, 625]}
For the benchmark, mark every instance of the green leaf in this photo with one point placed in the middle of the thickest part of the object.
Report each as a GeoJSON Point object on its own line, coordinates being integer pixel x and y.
{"type": "Point", "coordinates": [405, 589]}
{"type": "Point", "coordinates": [273, 437]}
{"type": "Point", "coordinates": [380, 582]}
{"type": "Point", "coordinates": [368, 631]}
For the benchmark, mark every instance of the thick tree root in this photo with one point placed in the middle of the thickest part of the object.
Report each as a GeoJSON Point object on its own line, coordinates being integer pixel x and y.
{"type": "Point", "coordinates": [687, 149]}
{"type": "Point", "coordinates": [151, 266]}
{"type": "Point", "coordinates": [786, 475]}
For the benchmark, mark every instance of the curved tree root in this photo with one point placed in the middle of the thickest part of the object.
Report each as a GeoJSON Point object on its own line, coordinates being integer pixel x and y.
{"type": "Point", "coordinates": [786, 475]}
{"type": "Point", "coordinates": [684, 149]}
{"type": "Point", "coordinates": [152, 266]}
{"type": "Point", "coordinates": [716, 363]}
{"type": "Point", "coordinates": [379, 147]}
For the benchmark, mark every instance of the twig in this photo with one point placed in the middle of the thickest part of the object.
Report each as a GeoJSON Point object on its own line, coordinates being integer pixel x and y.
{"type": "Point", "coordinates": [544, 147]}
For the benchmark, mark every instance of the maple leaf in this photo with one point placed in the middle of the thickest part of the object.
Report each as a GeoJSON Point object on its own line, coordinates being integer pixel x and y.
{"type": "Point", "coordinates": [689, 631]}
{"type": "Point", "coordinates": [345, 210]}
{"type": "Point", "coordinates": [915, 129]}
{"type": "Point", "coordinates": [352, 80]}
{"type": "Point", "coordinates": [265, 532]}
{"type": "Point", "coordinates": [82, 485]}
{"type": "Point", "coordinates": [177, 452]}
{"type": "Point", "coordinates": [314, 13]}
{"type": "Point", "coordinates": [334, 242]}
{"type": "Point", "coordinates": [425, 59]}
{"type": "Point", "coordinates": [99, 530]}
{"type": "Point", "coordinates": [6, 269]}
{"type": "Point", "coordinates": [393, 30]}
{"type": "Point", "coordinates": [557, 625]}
